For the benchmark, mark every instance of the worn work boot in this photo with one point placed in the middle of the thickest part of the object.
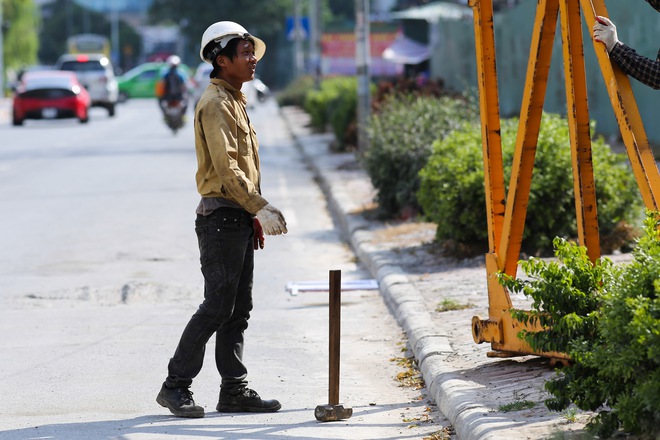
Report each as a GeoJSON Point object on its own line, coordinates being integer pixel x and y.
{"type": "Point", "coordinates": [180, 402]}
{"type": "Point", "coordinates": [246, 400]}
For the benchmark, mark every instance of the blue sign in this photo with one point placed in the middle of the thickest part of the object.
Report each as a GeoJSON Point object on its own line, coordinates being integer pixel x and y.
{"type": "Point", "coordinates": [303, 24]}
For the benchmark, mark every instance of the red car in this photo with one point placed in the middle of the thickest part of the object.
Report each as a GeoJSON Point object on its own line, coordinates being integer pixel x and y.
{"type": "Point", "coordinates": [50, 95]}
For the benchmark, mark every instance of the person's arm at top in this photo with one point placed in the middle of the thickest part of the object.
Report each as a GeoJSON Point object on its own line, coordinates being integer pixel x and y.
{"type": "Point", "coordinates": [643, 69]}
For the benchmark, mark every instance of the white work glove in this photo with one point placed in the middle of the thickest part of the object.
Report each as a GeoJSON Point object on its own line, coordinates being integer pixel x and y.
{"type": "Point", "coordinates": [272, 221]}
{"type": "Point", "coordinates": [605, 32]}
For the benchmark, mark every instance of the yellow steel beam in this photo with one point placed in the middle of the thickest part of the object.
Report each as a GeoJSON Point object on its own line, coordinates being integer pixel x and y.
{"type": "Point", "coordinates": [490, 122]}
{"type": "Point", "coordinates": [505, 234]}
{"type": "Point", "coordinates": [627, 115]}
{"type": "Point", "coordinates": [578, 124]}
{"type": "Point", "coordinates": [545, 25]}
{"type": "Point", "coordinates": [498, 298]}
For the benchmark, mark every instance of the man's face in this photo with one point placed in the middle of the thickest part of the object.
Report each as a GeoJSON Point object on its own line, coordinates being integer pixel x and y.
{"type": "Point", "coordinates": [241, 69]}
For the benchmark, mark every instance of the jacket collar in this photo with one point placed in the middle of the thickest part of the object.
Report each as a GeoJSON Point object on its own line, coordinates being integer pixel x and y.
{"type": "Point", "coordinates": [237, 94]}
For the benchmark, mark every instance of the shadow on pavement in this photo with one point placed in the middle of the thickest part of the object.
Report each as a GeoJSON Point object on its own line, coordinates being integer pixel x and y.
{"type": "Point", "coordinates": [214, 425]}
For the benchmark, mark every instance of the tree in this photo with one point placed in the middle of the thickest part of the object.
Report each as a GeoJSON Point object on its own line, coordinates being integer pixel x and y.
{"type": "Point", "coordinates": [342, 10]}
{"type": "Point", "coordinates": [63, 18]}
{"type": "Point", "coordinates": [265, 19]}
{"type": "Point", "coordinates": [20, 42]}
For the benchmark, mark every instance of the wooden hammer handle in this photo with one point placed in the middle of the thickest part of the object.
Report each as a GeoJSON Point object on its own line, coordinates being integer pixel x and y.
{"type": "Point", "coordinates": [334, 337]}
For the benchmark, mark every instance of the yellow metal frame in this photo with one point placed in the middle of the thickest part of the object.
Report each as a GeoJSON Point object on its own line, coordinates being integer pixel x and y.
{"type": "Point", "coordinates": [506, 212]}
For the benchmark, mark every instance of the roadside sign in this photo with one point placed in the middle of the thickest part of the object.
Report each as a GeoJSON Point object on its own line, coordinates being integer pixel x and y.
{"type": "Point", "coordinates": [291, 28]}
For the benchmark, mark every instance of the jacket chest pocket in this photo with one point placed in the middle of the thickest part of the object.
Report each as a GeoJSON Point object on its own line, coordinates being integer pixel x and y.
{"type": "Point", "coordinates": [244, 139]}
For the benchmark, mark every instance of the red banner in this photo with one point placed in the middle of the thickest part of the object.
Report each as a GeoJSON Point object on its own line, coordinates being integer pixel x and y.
{"type": "Point", "coordinates": [338, 52]}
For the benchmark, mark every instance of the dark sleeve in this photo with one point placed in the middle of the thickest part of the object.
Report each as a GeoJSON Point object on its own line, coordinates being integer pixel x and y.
{"type": "Point", "coordinates": [641, 68]}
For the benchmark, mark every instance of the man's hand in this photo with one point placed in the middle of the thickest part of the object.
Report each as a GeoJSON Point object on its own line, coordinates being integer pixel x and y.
{"type": "Point", "coordinates": [259, 239]}
{"type": "Point", "coordinates": [272, 221]}
{"type": "Point", "coordinates": [605, 32]}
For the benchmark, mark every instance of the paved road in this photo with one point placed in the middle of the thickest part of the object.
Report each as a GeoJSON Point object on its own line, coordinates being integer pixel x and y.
{"type": "Point", "coordinates": [99, 274]}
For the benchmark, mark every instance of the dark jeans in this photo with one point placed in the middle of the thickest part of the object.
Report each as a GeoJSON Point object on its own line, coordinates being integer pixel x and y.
{"type": "Point", "coordinates": [227, 258]}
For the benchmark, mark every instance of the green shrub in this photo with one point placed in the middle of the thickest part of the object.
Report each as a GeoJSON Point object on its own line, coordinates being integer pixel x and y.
{"type": "Point", "coordinates": [452, 189]}
{"type": "Point", "coordinates": [334, 106]}
{"type": "Point", "coordinates": [607, 319]}
{"type": "Point", "coordinates": [343, 117]}
{"type": "Point", "coordinates": [401, 138]}
{"type": "Point", "coordinates": [315, 104]}
{"type": "Point", "coordinates": [566, 293]}
{"type": "Point", "coordinates": [296, 91]}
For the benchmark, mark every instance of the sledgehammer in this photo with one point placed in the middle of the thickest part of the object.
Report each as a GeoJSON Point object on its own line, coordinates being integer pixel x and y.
{"type": "Point", "coordinates": [333, 411]}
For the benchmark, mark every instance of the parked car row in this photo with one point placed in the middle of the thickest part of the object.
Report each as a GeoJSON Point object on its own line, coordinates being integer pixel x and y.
{"type": "Point", "coordinates": [80, 81]}
{"type": "Point", "coordinates": [67, 90]}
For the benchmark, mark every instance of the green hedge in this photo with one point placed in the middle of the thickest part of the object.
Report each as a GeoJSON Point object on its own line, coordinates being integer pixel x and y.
{"type": "Point", "coordinates": [334, 106]}
{"type": "Point", "coordinates": [607, 319]}
{"type": "Point", "coordinates": [452, 189]}
{"type": "Point", "coordinates": [296, 92]}
{"type": "Point", "coordinates": [401, 141]}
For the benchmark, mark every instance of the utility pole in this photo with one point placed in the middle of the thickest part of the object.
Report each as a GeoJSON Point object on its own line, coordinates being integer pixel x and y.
{"type": "Point", "coordinates": [362, 61]}
{"type": "Point", "coordinates": [114, 30]}
{"type": "Point", "coordinates": [298, 36]}
{"type": "Point", "coordinates": [315, 39]}
{"type": "Point", "coordinates": [69, 18]}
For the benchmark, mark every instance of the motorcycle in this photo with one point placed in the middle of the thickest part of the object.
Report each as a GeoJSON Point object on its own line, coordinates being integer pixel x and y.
{"type": "Point", "coordinates": [174, 112]}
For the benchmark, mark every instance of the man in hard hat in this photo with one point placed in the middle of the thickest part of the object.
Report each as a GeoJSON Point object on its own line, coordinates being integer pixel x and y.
{"type": "Point", "coordinates": [230, 218]}
{"type": "Point", "coordinates": [641, 68]}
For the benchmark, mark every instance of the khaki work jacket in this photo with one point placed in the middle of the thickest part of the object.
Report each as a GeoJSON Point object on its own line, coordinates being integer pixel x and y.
{"type": "Point", "coordinates": [227, 148]}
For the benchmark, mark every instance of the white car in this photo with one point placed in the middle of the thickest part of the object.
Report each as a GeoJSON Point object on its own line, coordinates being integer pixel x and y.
{"type": "Point", "coordinates": [202, 81]}
{"type": "Point", "coordinates": [95, 73]}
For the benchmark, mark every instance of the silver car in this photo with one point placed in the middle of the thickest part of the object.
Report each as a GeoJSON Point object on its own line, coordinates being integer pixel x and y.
{"type": "Point", "coordinates": [95, 73]}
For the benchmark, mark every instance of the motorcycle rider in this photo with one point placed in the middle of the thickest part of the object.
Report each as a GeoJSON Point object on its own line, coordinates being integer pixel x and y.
{"type": "Point", "coordinates": [173, 84]}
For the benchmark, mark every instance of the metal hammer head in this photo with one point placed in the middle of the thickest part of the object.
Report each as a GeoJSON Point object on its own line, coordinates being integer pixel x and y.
{"type": "Point", "coordinates": [332, 413]}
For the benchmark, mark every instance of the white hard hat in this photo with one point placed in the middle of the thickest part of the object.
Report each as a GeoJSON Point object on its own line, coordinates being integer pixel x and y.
{"type": "Point", "coordinates": [173, 60]}
{"type": "Point", "coordinates": [223, 31]}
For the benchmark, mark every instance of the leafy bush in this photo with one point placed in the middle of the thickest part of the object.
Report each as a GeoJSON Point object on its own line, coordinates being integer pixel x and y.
{"type": "Point", "coordinates": [296, 91]}
{"type": "Point", "coordinates": [343, 117]}
{"type": "Point", "coordinates": [401, 138]}
{"type": "Point", "coordinates": [334, 105]}
{"type": "Point", "coordinates": [452, 189]}
{"type": "Point", "coordinates": [566, 295]}
{"type": "Point", "coordinates": [607, 319]}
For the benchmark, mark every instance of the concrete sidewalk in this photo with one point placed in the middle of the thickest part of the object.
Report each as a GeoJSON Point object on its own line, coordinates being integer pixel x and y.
{"type": "Point", "coordinates": [469, 388]}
